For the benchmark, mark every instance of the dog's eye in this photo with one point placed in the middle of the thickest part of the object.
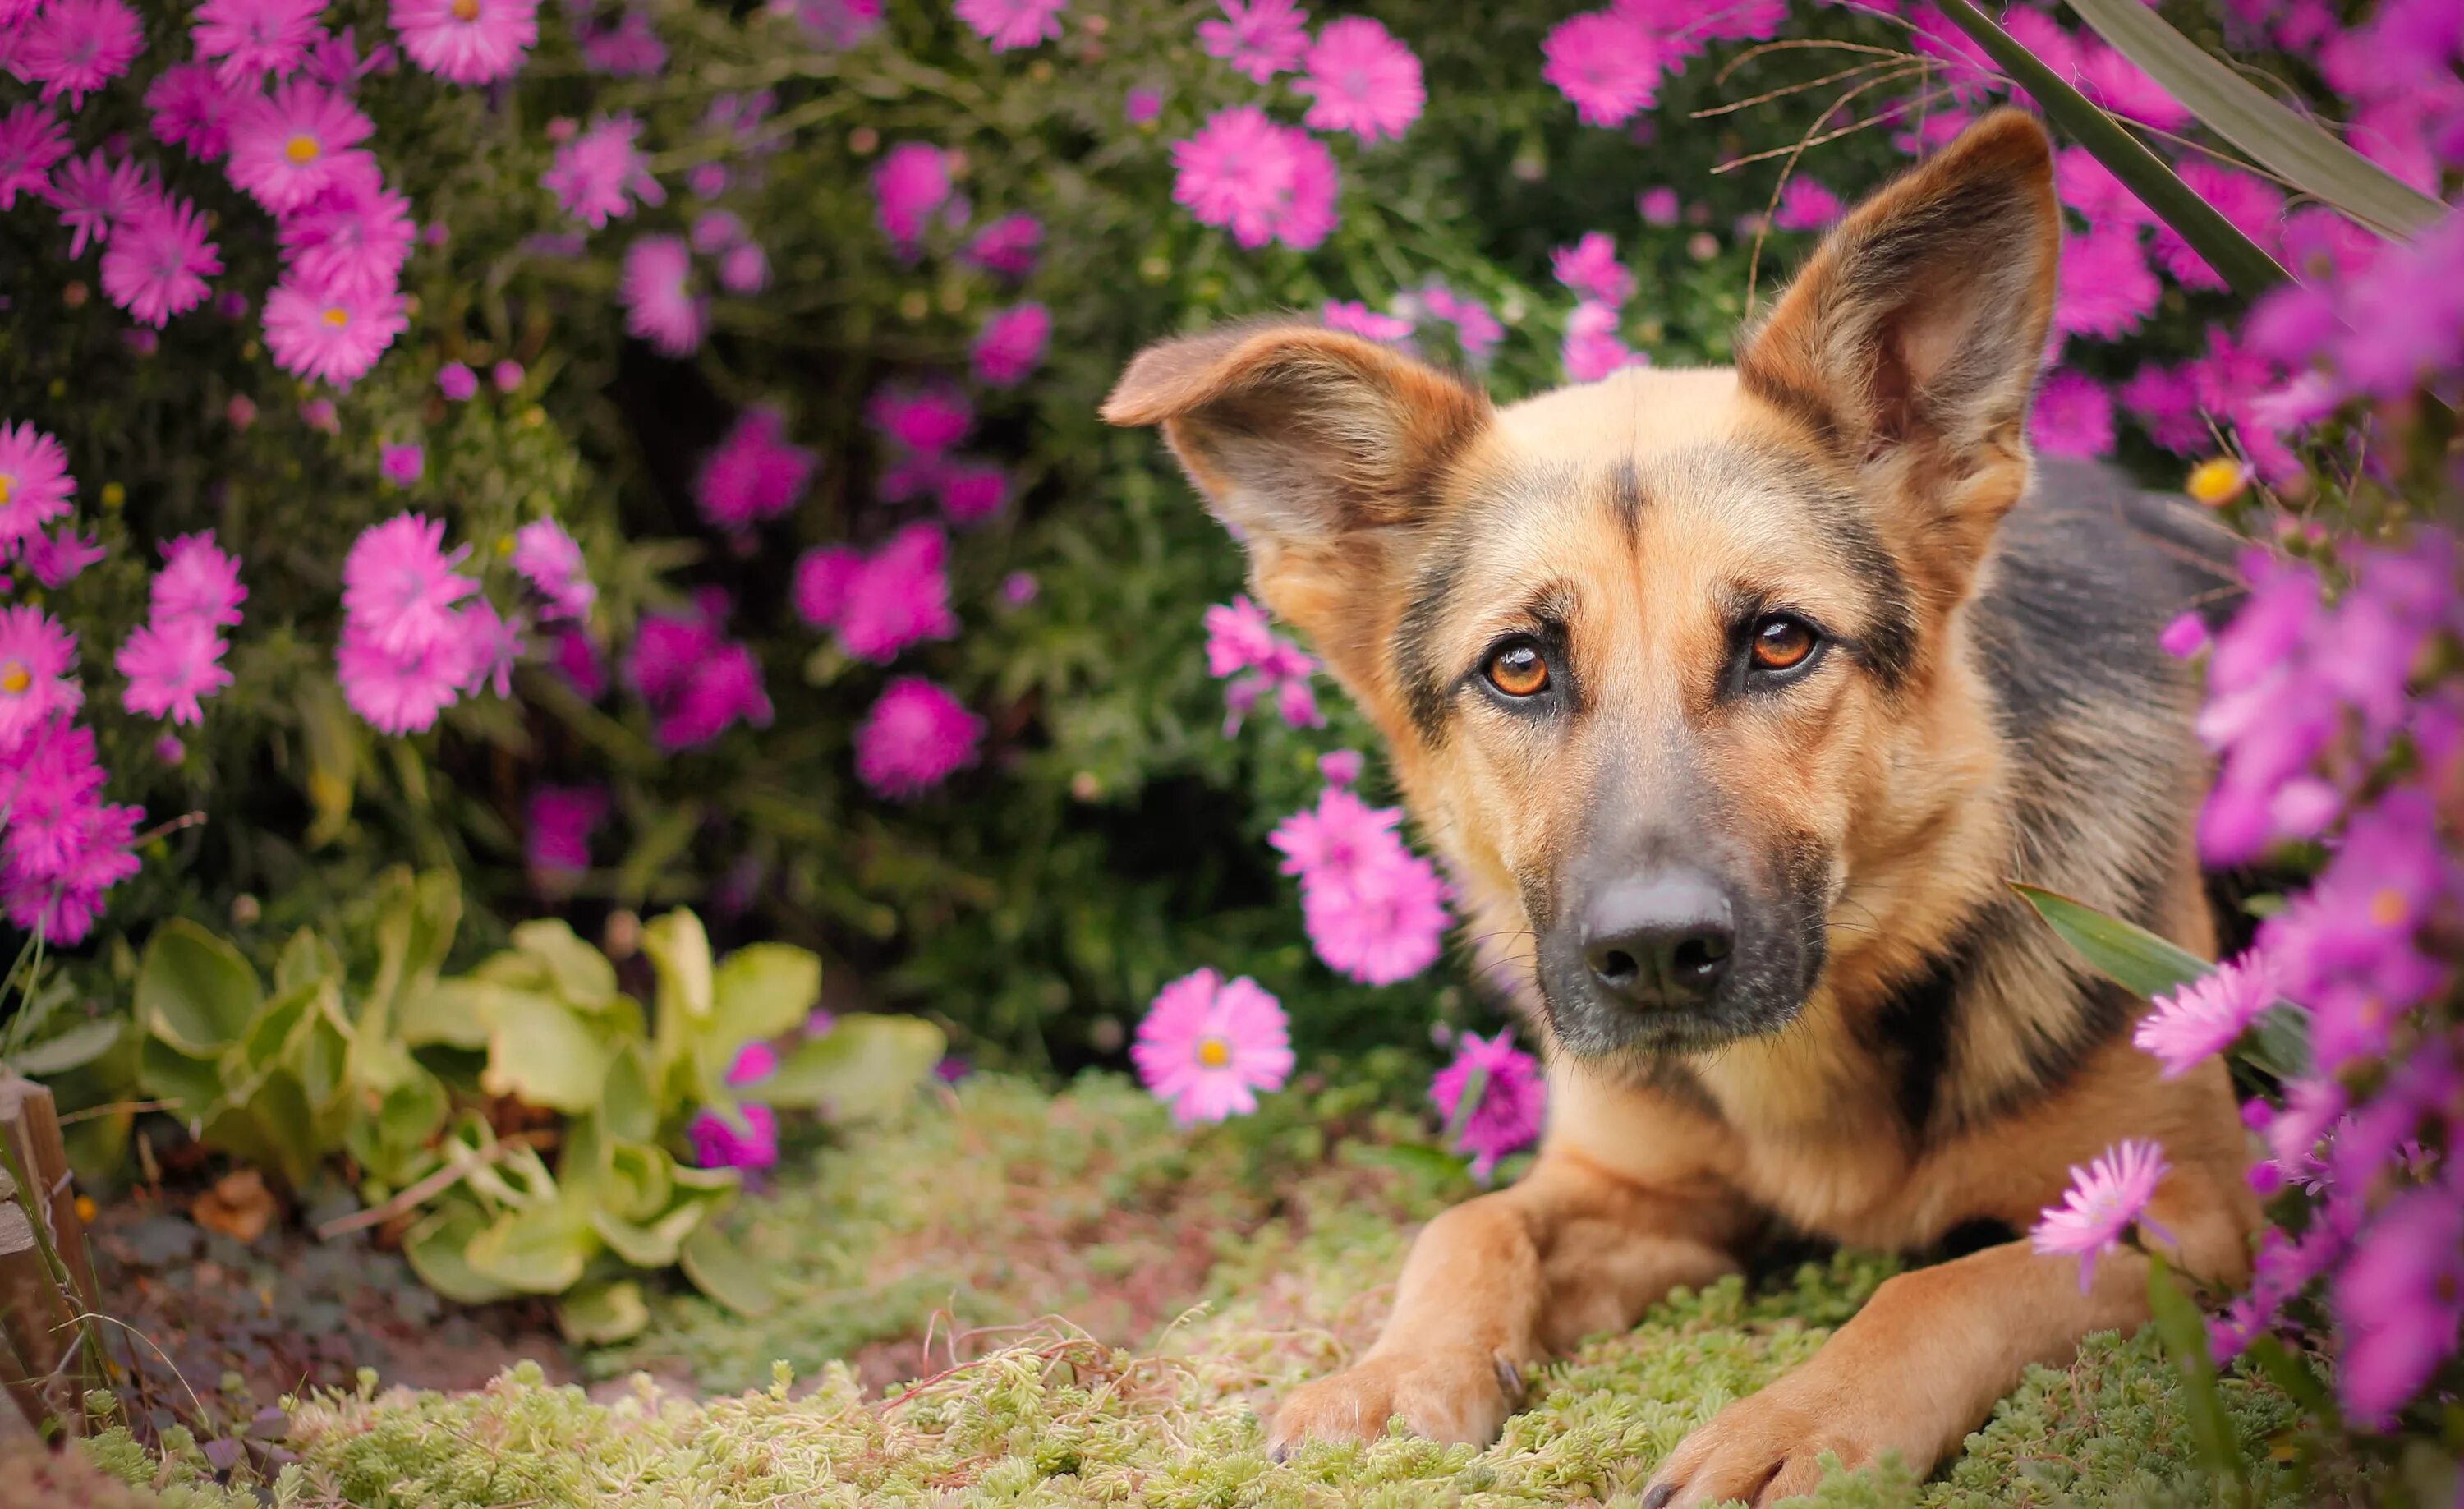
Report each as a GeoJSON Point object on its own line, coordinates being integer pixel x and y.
{"type": "Point", "coordinates": [1518, 669]}
{"type": "Point", "coordinates": [1782, 642]}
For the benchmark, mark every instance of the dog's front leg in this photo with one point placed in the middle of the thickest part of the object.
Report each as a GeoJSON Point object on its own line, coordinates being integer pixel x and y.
{"type": "Point", "coordinates": [1498, 1283]}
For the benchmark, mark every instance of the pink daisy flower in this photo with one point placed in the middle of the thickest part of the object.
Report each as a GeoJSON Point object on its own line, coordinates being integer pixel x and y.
{"type": "Point", "coordinates": [467, 41]}
{"type": "Point", "coordinates": [1141, 106]}
{"type": "Point", "coordinates": [1008, 24]}
{"type": "Point", "coordinates": [2089, 186]}
{"type": "Point", "coordinates": [1806, 205]}
{"type": "Point", "coordinates": [1360, 79]}
{"type": "Point", "coordinates": [2105, 288]}
{"type": "Point", "coordinates": [2117, 84]}
{"type": "Point", "coordinates": [914, 737]}
{"type": "Point", "coordinates": [95, 193]}
{"type": "Point", "coordinates": [834, 24]}
{"type": "Point", "coordinates": [1360, 320]}
{"type": "Point", "coordinates": [1339, 841]}
{"type": "Point", "coordinates": [37, 672]}
{"type": "Point", "coordinates": [744, 268]}
{"type": "Point", "coordinates": [64, 903]}
{"type": "Point", "coordinates": [558, 821]}
{"type": "Point", "coordinates": [171, 668]}
{"type": "Point", "coordinates": [548, 559]}
{"type": "Point", "coordinates": [491, 644]}
{"type": "Point", "coordinates": [576, 657]}
{"type": "Point", "coordinates": [157, 266]}
{"type": "Point", "coordinates": [2103, 1201]}
{"type": "Point", "coordinates": [754, 473]}
{"type": "Point", "coordinates": [31, 139]}
{"type": "Point", "coordinates": [1011, 344]}
{"type": "Point", "coordinates": [1006, 245]}
{"type": "Point", "coordinates": [1591, 269]}
{"type": "Point", "coordinates": [824, 577]}
{"type": "Point", "coordinates": [2202, 1018]}
{"type": "Point", "coordinates": [350, 242]}
{"type": "Point", "coordinates": [1659, 206]}
{"type": "Point", "coordinates": [901, 597]}
{"type": "Point", "coordinates": [254, 38]}
{"type": "Point", "coordinates": [287, 148]}
{"type": "Point", "coordinates": [1261, 39]}
{"type": "Point", "coordinates": [1476, 329]}
{"type": "Point", "coordinates": [1592, 347]}
{"type": "Point", "coordinates": [193, 109]}
{"type": "Point", "coordinates": [74, 47]}
{"type": "Point", "coordinates": [334, 60]}
{"type": "Point", "coordinates": [1261, 181]}
{"type": "Point", "coordinates": [35, 482]}
{"type": "Point", "coordinates": [656, 290]}
{"type": "Point", "coordinates": [1606, 66]}
{"type": "Point", "coordinates": [2254, 208]}
{"type": "Point", "coordinates": [1239, 637]}
{"type": "Point", "coordinates": [402, 465]}
{"type": "Point", "coordinates": [1387, 924]}
{"type": "Point", "coordinates": [401, 693]}
{"type": "Point", "coordinates": [1492, 1098]}
{"type": "Point", "coordinates": [596, 176]}
{"type": "Point", "coordinates": [970, 492]}
{"type": "Point", "coordinates": [399, 586]}
{"type": "Point", "coordinates": [911, 182]}
{"type": "Point", "coordinates": [1207, 1046]}
{"type": "Point", "coordinates": [927, 420]}
{"type": "Point", "coordinates": [725, 687]}
{"type": "Point", "coordinates": [2072, 415]}
{"type": "Point", "coordinates": [198, 581]}
{"type": "Point", "coordinates": [457, 381]}
{"type": "Point", "coordinates": [330, 336]}
{"type": "Point", "coordinates": [751, 1142]}
{"type": "Point", "coordinates": [59, 557]}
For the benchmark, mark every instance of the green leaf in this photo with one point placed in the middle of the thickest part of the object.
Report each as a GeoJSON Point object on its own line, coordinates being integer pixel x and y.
{"type": "Point", "coordinates": [435, 1249]}
{"type": "Point", "coordinates": [457, 1011]}
{"type": "Point", "coordinates": [636, 1182]}
{"type": "Point", "coordinates": [82, 1044]}
{"type": "Point", "coordinates": [2234, 255]}
{"type": "Point", "coordinates": [603, 1314]}
{"type": "Point", "coordinates": [2279, 1042]}
{"type": "Point", "coordinates": [541, 1249]}
{"type": "Point", "coordinates": [654, 1244]}
{"type": "Point", "coordinates": [190, 1087]}
{"type": "Point", "coordinates": [720, 1270]}
{"type": "Point", "coordinates": [627, 1107]}
{"type": "Point", "coordinates": [2183, 1331]}
{"type": "Point", "coordinates": [863, 1067]}
{"type": "Point", "coordinates": [543, 1053]}
{"type": "Point", "coordinates": [761, 991]}
{"type": "Point", "coordinates": [2285, 141]}
{"type": "Point", "coordinates": [268, 1038]}
{"type": "Point", "coordinates": [307, 957]}
{"type": "Point", "coordinates": [194, 991]}
{"type": "Point", "coordinates": [579, 973]}
{"type": "Point", "coordinates": [679, 951]}
{"type": "Point", "coordinates": [2125, 953]}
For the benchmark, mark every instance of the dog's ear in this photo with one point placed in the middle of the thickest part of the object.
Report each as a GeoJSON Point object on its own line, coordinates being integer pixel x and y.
{"type": "Point", "coordinates": [1912, 339]}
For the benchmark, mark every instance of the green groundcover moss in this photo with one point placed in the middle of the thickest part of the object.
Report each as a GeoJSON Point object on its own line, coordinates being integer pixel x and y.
{"type": "Point", "coordinates": [1110, 1305]}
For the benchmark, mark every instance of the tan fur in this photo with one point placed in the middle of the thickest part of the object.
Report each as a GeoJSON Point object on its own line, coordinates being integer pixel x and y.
{"type": "Point", "coordinates": [1897, 371]}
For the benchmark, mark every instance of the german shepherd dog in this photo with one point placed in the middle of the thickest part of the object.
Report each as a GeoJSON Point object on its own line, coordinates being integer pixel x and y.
{"type": "Point", "coordinates": [1732, 698]}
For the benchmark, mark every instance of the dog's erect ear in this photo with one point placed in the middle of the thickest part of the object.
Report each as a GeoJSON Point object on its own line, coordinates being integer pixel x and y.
{"type": "Point", "coordinates": [1299, 435]}
{"type": "Point", "coordinates": [1914, 334]}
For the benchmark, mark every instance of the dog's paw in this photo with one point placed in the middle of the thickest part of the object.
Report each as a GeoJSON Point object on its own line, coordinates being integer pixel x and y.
{"type": "Point", "coordinates": [1452, 1395]}
{"type": "Point", "coordinates": [1759, 1450]}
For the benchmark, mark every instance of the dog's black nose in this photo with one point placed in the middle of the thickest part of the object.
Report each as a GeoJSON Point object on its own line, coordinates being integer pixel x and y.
{"type": "Point", "coordinates": [1660, 940]}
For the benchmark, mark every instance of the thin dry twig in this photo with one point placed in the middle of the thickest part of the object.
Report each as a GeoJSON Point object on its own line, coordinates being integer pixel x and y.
{"type": "Point", "coordinates": [414, 1196]}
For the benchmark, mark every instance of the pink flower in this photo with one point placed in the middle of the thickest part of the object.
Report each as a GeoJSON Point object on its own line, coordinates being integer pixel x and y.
{"type": "Point", "coordinates": [720, 1144]}
{"type": "Point", "coordinates": [35, 482]}
{"type": "Point", "coordinates": [2252, 206]}
{"type": "Point", "coordinates": [1360, 320]}
{"type": "Point", "coordinates": [170, 667]}
{"type": "Point", "coordinates": [2074, 415]}
{"type": "Point", "coordinates": [914, 737]}
{"type": "Point", "coordinates": [1260, 38]}
{"type": "Point", "coordinates": [335, 61]}
{"type": "Point", "coordinates": [402, 464]}
{"type": "Point", "coordinates": [1360, 79]}
{"type": "Point", "coordinates": [48, 780]}
{"type": "Point", "coordinates": [698, 683]}
{"type": "Point", "coordinates": [970, 492]}
{"type": "Point", "coordinates": [547, 558]}
{"type": "Point", "coordinates": [2103, 1201]}
{"type": "Point", "coordinates": [1591, 269]}
{"type": "Point", "coordinates": [1261, 181]}
{"type": "Point", "coordinates": [95, 193]}
{"type": "Point", "coordinates": [1339, 766]}
{"type": "Point", "coordinates": [198, 581]}
{"type": "Point", "coordinates": [2398, 1300]}
{"type": "Point", "coordinates": [59, 557]}
{"type": "Point", "coordinates": [1592, 348]}
{"type": "Point", "coordinates": [329, 336]}
{"type": "Point", "coordinates": [1207, 1046]}
{"type": "Point", "coordinates": [74, 47]}
{"type": "Point", "coordinates": [2089, 186]}
{"type": "Point", "coordinates": [1008, 24]}
{"type": "Point", "coordinates": [927, 420]}
{"type": "Point", "coordinates": [37, 672]}
{"type": "Point", "coordinates": [901, 597]}
{"type": "Point", "coordinates": [1006, 245]}
{"type": "Point", "coordinates": [158, 264]}
{"type": "Point", "coordinates": [1659, 206]}
{"type": "Point", "coordinates": [2104, 288]}
{"type": "Point", "coordinates": [596, 176]}
{"type": "Point", "coordinates": [825, 576]}
{"type": "Point", "coordinates": [457, 381]}
{"type": "Point", "coordinates": [753, 474]}
{"type": "Point", "coordinates": [507, 375]}
{"type": "Point", "coordinates": [467, 41]}
{"type": "Point", "coordinates": [61, 900]}
{"type": "Point", "coordinates": [1607, 67]}
{"type": "Point", "coordinates": [911, 181]}
{"type": "Point", "coordinates": [289, 148]}
{"type": "Point", "coordinates": [2166, 402]}
{"type": "Point", "coordinates": [1141, 106]}
{"type": "Point", "coordinates": [402, 692]}
{"type": "Point", "coordinates": [744, 268]}
{"type": "Point", "coordinates": [1476, 329]}
{"type": "Point", "coordinates": [557, 822]}
{"type": "Point", "coordinates": [834, 24]}
{"type": "Point", "coordinates": [1507, 1099]}
{"type": "Point", "coordinates": [2116, 83]}
{"type": "Point", "coordinates": [31, 139]}
{"type": "Point", "coordinates": [577, 659]}
{"type": "Point", "coordinates": [1010, 345]}
{"type": "Point", "coordinates": [2203, 1018]}
{"type": "Point", "coordinates": [399, 586]}
{"type": "Point", "coordinates": [1805, 205]}
{"type": "Point", "coordinates": [1239, 637]}
{"type": "Point", "coordinates": [1019, 589]}
{"type": "Point", "coordinates": [660, 304]}
{"type": "Point", "coordinates": [254, 38]}
{"type": "Point", "coordinates": [351, 239]}
{"type": "Point", "coordinates": [1387, 924]}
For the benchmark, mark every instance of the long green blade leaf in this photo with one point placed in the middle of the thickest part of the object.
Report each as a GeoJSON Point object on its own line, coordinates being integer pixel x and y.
{"type": "Point", "coordinates": [2236, 258]}
{"type": "Point", "coordinates": [2125, 953]}
{"type": "Point", "coordinates": [2282, 140]}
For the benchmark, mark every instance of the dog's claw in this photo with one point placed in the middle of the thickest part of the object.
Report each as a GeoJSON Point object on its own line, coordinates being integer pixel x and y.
{"type": "Point", "coordinates": [1277, 1453]}
{"type": "Point", "coordinates": [1510, 1378]}
{"type": "Point", "coordinates": [1657, 1497]}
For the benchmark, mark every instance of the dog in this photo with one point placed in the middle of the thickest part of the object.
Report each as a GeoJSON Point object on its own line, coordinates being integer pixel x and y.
{"type": "Point", "coordinates": [1732, 698]}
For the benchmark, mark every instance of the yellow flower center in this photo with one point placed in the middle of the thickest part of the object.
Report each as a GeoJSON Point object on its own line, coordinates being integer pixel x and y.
{"type": "Point", "coordinates": [336, 317]}
{"type": "Point", "coordinates": [14, 677]}
{"type": "Point", "coordinates": [1214, 1052]}
{"type": "Point", "coordinates": [5, 480]}
{"type": "Point", "coordinates": [466, 11]}
{"type": "Point", "coordinates": [300, 148]}
{"type": "Point", "coordinates": [2216, 481]}
{"type": "Point", "coordinates": [2387, 908]}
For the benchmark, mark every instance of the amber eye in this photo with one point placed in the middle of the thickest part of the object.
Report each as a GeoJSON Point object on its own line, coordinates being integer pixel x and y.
{"type": "Point", "coordinates": [1518, 670]}
{"type": "Point", "coordinates": [1782, 643]}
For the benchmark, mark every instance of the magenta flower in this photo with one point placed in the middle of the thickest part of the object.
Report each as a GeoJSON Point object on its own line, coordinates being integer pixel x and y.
{"type": "Point", "coordinates": [330, 336]}
{"type": "Point", "coordinates": [402, 464]}
{"type": "Point", "coordinates": [2165, 402]}
{"type": "Point", "coordinates": [970, 492]}
{"type": "Point", "coordinates": [901, 597]}
{"type": "Point", "coordinates": [1239, 637]}
{"type": "Point", "coordinates": [599, 175]}
{"type": "Point", "coordinates": [289, 148]}
{"type": "Point", "coordinates": [402, 692]}
{"type": "Point", "coordinates": [1591, 267]}
{"type": "Point", "coordinates": [37, 672]}
{"type": "Point", "coordinates": [157, 266]}
{"type": "Point", "coordinates": [1386, 924]}
{"type": "Point", "coordinates": [744, 268]}
{"type": "Point", "coordinates": [2104, 287]}
{"type": "Point", "coordinates": [754, 473]}
{"type": "Point", "coordinates": [352, 239]}
{"type": "Point", "coordinates": [31, 139]}
{"type": "Point", "coordinates": [1261, 181]}
{"type": "Point", "coordinates": [467, 41]}
{"type": "Point", "coordinates": [1592, 347]}
{"type": "Point", "coordinates": [577, 659]}
{"type": "Point", "coordinates": [1806, 205]}
{"type": "Point", "coordinates": [457, 381]}
{"type": "Point", "coordinates": [1605, 65]}
{"type": "Point", "coordinates": [1207, 1046]}
{"type": "Point", "coordinates": [1011, 344]}
{"type": "Point", "coordinates": [1360, 79]}
{"type": "Point", "coordinates": [2398, 1300]}
{"type": "Point", "coordinates": [926, 420]}
{"type": "Point", "coordinates": [399, 586]}
{"type": "Point", "coordinates": [59, 557]}
{"type": "Point", "coordinates": [911, 182]}
{"type": "Point", "coordinates": [62, 901]}
{"type": "Point", "coordinates": [914, 737]}
{"type": "Point", "coordinates": [1507, 1107]}
{"type": "Point", "coordinates": [1019, 589]}
{"type": "Point", "coordinates": [334, 60]}
{"type": "Point", "coordinates": [835, 24]}
{"type": "Point", "coordinates": [2117, 84]}
{"type": "Point", "coordinates": [94, 193]}
{"type": "Point", "coordinates": [825, 576]}
{"type": "Point", "coordinates": [1141, 105]}
{"type": "Point", "coordinates": [557, 824]}
{"type": "Point", "coordinates": [1339, 766]}
{"type": "Point", "coordinates": [2202, 1019]}
{"type": "Point", "coordinates": [657, 292]}
{"type": "Point", "coordinates": [198, 581]}
{"type": "Point", "coordinates": [720, 1143]}
{"type": "Point", "coordinates": [170, 667]}
{"type": "Point", "coordinates": [251, 38]}
{"type": "Point", "coordinates": [1006, 247]}
{"type": "Point", "coordinates": [2252, 207]}
{"type": "Point", "coordinates": [547, 558]}
{"type": "Point", "coordinates": [2089, 186]}
{"type": "Point", "coordinates": [2102, 1203]}
{"type": "Point", "coordinates": [74, 47]}
{"type": "Point", "coordinates": [507, 375]}
{"type": "Point", "coordinates": [35, 482]}
{"type": "Point", "coordinates": [1260, 38]}
{"type": "Point", "coordinates": [2073, 416]}
{"type": "Point", "coordinates": [1360, 320]}
{"type": "Point", "coordinates": [48, 781]}
{"type": "Point", "coordinates": [699, 682]}
{"type": "Point", "coordinates": [1659, 206]}
{"type": "Point", "coordinates": [1008, 24]}
{"type": "Point", "coordinates": [623, 48]}
{"type": "Point", "coordinates": [1476, 329]}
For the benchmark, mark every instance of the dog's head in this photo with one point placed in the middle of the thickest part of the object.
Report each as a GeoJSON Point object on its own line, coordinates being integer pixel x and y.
{"type": "Point", "coordinates": [1662, 660]}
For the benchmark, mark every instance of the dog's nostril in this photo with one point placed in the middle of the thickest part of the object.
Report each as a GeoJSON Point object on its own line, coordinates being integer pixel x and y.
{"type": "Point", "coordinates": [1699, 957]}
{"type": "Point", "coordinates": [1617, 964]}
{"type": "Point", "coordinates": [1664, 939]}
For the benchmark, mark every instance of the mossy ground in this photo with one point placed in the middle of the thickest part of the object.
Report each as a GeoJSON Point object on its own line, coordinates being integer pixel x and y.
{"type": "Point", "coordinates": [1099, 1307]}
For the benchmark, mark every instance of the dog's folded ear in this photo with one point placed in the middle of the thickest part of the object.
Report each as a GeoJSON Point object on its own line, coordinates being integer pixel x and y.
{"type": "Point", "coordinates": [1299, 435]}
